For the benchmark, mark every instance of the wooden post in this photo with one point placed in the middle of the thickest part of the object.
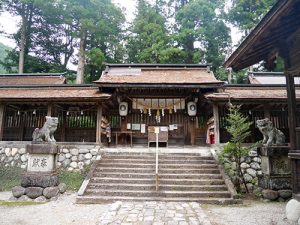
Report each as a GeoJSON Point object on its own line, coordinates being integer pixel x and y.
{"type": "Point", "coordinates": [192, 130]}
{"type": "Point", "coordinates": [292, 112]}
{"type": "Point", "coordinates": [216, 123]}
{"type": "Point", "coordinates": [2, 107]}
{"type": "Point", "coordinates": [50, 110]}
{"type": "Point", "coordinates": [267, 113]}
{"type": "Point", "coordinates": [63, 126]}
{"type": "Point", "coordinates": [99, 119]}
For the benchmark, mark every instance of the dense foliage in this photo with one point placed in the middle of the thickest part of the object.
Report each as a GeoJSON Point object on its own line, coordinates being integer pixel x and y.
{"type": "Point", "coordinates": [88, 33]}
{"type": "Point", "coordinates": [3, 52]}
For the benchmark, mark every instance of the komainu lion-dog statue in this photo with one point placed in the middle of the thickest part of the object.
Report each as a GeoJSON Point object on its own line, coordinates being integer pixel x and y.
{"type": "Point", "coordinates": [45, 134]}
{"type": "Point", "coordinates": [272, 136]}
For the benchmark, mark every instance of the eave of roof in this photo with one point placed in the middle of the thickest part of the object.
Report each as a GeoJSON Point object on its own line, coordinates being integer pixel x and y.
{"type": "Point", "coordinates": [156, 65]}
{"type": "Point", "coordinates": [32, 74]}
{"type": "Point", "coordinates": [59, 93]}
{"type": "Point", "coordinates": [235, 61]}
{"type": "Point", "coordinates": [256, 93]}
{"type": "Point", "coordinates": [160, 85]}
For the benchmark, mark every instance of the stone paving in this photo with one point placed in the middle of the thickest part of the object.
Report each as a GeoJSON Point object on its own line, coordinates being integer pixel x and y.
{"type": "Point", "coordinates": [154, 213]}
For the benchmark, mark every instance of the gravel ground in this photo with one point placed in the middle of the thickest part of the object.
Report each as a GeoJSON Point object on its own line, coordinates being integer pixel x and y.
{"type": "Point", "coordinates": [251, 212]}
{"type": "Point", "coordinates": [60, 212]}
{"type": "Point", "coordinates": [65, 212]}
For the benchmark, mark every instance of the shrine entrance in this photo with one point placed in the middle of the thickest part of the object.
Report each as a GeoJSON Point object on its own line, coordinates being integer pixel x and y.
{"type": "Point", "coordinates": [179, 109]}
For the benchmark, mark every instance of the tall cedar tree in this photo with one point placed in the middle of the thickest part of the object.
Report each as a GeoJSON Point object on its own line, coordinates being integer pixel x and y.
{"type": "Point", "coordinates": [245, 14]}
{"type": "Point", "coordinates": [148, 35]}
{"type": "Point", "coordinates": [201, 32]}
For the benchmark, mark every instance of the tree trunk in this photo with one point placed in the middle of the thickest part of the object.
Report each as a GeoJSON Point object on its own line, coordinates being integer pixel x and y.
{"type": "Point", "coordinates": [22, 44]}
{"type": "Point", "coordinates": [81, 59]}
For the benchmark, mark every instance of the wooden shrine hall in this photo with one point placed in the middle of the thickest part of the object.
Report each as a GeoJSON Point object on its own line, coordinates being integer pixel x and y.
{"type": "Point", "coordinates": [278, 35]}
{"type": "Point", "coordinates": [186, 102]}
{"type": "Point", "coordinates": [168, 96]}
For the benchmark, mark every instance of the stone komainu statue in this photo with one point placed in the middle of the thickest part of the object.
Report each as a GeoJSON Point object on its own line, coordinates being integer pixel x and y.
{"type": "Point", "coordinates": [272, 136]}
{"type": "Point", "coordinates": [45, 134]}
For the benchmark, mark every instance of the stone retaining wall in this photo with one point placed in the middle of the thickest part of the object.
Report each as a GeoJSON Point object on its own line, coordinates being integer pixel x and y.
{"type": "Point", "coordinates": [250, 165]}
{"type": "Point", "coordinates": [71, 156]}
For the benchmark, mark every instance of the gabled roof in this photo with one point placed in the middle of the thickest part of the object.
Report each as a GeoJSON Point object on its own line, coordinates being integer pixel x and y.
{"type": "Point", "coordinates": [32, 79]}
{"type": "Point", "coordinates": [159, 75]}
{"type": "Point", "coordinates": [276, 26]}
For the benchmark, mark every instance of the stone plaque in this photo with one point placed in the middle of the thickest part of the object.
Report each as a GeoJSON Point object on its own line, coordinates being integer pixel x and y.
{"type": "Point", "coordinates": [281, 165]}
{"type": "Point", "coordinates": [265, 165]}
{"type": "Point", "coordinates": [41, 163]}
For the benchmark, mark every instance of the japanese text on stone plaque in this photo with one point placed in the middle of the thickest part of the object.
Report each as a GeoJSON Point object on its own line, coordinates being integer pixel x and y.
{"type": "Point", "coordinates": [39, 162]}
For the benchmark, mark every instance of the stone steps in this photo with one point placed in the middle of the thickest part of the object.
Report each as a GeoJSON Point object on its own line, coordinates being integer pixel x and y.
{"type": "Point", "coordinates": [167, 194]}
{"type": "Point", "coordinates": [161, 176]}
{"type": "Point", "coordinates": [108, 199]}
{"type": "Point", "coordinates": [111, 180]}
{"type": "Point", "coordinates": [161, 165]}
{"type": "Point", "coordinates": [162, 187]}
{"type": "Point", "coordinates": [163, 171]}
{"type": "Point", "coordinates": [131, 176]}
{"type": "Point", "coordinates": [161, 161]}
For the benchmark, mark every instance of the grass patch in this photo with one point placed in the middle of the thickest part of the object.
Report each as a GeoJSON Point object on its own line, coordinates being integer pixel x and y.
{"type": "Point", "coordinates": [9, 177]}
{"type": "Point", "coordinates": [5, 203]}
{"type": "Point", "coordinates": [73, 180]}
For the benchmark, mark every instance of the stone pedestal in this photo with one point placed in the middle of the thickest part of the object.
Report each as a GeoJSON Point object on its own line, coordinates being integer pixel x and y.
{"type": "Point", "coordinates": [276, 168]}
{"type": "Point", "coordinates": [41, 169]}
{"type": "Point", "coordinates": [41, 177]}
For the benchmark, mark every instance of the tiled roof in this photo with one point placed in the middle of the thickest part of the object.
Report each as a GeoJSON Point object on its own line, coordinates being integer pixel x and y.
{"type": "Point", "coordinates": [158, 75]}
{"type": "Point", "coordinates": [59, 93]}
{"type": "Point", "coordinates": [31, 79]}
{"type": "Point", "coordinates": [251, 93]}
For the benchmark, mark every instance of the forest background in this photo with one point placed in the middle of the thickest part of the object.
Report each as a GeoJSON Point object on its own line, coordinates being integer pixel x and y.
{"type": "Point", "coordinates": [89, 33]}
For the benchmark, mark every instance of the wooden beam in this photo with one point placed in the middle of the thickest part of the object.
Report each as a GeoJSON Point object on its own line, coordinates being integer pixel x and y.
{"type": "Point", "coordinates": [99, 119]}
{"type": "Point", "coordinates": [216, 123]}
{"type": "Point", "coordinates": [2, 108]}
{"type": "Point", "coordinates": [50, 110]}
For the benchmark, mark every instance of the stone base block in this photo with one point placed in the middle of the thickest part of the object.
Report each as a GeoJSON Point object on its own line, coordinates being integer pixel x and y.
{"type": "Point", "coordinates": [274, 183]}
{"type": "Point", "coordinates": [46, 148]}
{"type": "Point", "coordinates": [39, 180]}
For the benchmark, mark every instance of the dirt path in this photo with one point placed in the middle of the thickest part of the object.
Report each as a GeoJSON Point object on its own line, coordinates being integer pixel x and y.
{"type": "Point", "coordinates": [251, 212]}
{"type": "Point", "coordinates": [62, 211]}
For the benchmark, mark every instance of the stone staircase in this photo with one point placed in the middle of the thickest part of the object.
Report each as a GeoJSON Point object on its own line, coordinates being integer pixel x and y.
{"type": "Point", "coordinates": [131, 177]}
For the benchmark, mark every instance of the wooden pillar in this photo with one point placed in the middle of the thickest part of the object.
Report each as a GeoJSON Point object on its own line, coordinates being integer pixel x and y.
{"type": "Point", "coordinates": [216, 123]}
{"type": "Point", "coordinates": [292, 112]}
{"type": "Point", "coordinates": [50, 110]}
{"type": "Point", "coordinates": [192, 126]}
{"type": "Point", "coordinates": [63, 126]}
{"type": "Point", "coordinates": [2, 107]}
{"type": "Point", "coordinates": [267, 113]}
{"type": "Point", "coordinates": [99, 119]}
